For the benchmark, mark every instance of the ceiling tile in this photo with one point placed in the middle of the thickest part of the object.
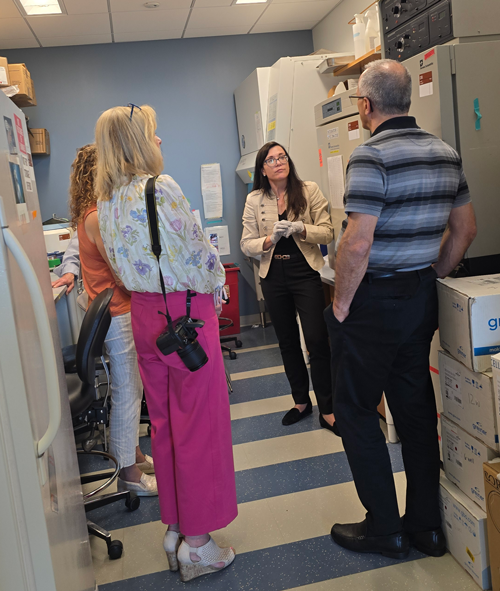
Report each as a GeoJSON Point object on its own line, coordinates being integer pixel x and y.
{"type": "Point", "coordinates": [208, 3]}
{"type": "Point", "coordinates": [8, 9]}
{"type": "Point", "coordinates": [13, 28]}
{"type": "Point", "coordinates": [297, 12]}
{"type": "Point", "coordinates": [148, 36]}
{"type": "Point", "coordinates": [225, 16]}
{"type": "Point", "coordinates": [216, 31]}
{"type": "Point", "coordinates": [158, 20]}
{"type": "Point", "coordinates": [86, 6]}
{"type": "Point", "coordinates": [332, 3]}
{"type": "Point", "coordinates": [69, 25]}
{"type": "Point", "coordinates": [280, 27]}
{"type": "Point", "coordinates": [18, 43]}
{"type": "Point", "coordinates": [138, 5]}
{"type": "Point", "coordinates": [76, 40]}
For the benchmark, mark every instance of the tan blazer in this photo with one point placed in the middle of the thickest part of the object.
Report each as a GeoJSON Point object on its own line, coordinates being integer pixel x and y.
{"type": "Point", "coordinates": [260, 214]}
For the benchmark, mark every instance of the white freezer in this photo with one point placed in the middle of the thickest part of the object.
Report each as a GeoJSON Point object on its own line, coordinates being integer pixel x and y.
{"type": "Point", "coordinates": [44, 544]}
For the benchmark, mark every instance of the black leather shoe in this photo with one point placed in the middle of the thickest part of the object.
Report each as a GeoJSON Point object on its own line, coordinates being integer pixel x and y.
{"type": "Point", "coordinates": [326, 425]}
{"type": "Point", "coordinates": [432, 542]}
{"type": "Point", "coordinates": [352, 536]}
{"type": "Point", "coordinates": [294, 415]}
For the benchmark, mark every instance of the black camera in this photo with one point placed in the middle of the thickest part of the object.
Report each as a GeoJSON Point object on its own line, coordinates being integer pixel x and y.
{"type": "Point", "coordinates": [182, 339]}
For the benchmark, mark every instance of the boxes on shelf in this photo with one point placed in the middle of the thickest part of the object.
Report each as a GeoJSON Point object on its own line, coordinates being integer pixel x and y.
{"type": "Point", "coordinates": [39, 141]}
{"type": "Point", "coordinates": [468, 399]}
{"type": "Point", "coordinates": [469, 319]}
{"type": "Point", "coordinates": [463, 458]}
{"type": "Point", "coordinates": [464, 526]}
{"type": "Point", "coordinates": [4, 72]}
{"type": "Point", "coordinates": [434, 369]}
{"type": "Point", "coordinates": [20, 76]}
{"type": "Point", "coordinates": [492, 492]}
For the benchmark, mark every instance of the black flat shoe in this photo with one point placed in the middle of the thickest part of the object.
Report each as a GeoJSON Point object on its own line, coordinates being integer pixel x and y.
{"type": "Point", "coordinates": [432, 542]}
{"type": "Point", "coordinates": [326, 425]}
{"type": "Point", "coordinates": [294, 416]}
{"type": "Point", "coordinates": [352, 536]}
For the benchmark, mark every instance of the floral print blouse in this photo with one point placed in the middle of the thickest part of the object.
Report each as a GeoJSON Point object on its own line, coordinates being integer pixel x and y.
{"type": "Point", "coordinates": [188, 260]}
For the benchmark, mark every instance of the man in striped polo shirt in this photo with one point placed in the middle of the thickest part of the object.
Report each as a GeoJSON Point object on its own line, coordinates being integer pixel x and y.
{"type": "Point", "coordinates": [410, 221]}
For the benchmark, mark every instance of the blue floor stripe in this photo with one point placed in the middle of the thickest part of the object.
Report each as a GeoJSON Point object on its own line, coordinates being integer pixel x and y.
{"type": "Point", "coordinates": [256, 337]}
{"type": "Point", "coordinates": [269, 426]}
{"type": "Point", "coordinates": [254, 484]}
{"type": "Point", "coordinates": [254, 360]}
{"type": "Point", "coordinates": [260, 388]}
{"type": "Point", "coordinates": [291, 477]}
{"type": "Point", "coordinates": [279, 568]}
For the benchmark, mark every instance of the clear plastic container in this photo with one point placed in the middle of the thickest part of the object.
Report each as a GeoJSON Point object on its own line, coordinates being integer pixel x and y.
{"type": "Point", "coordinates": [358, 32]}
{"type": "Point", "coordinates": [372, 30]}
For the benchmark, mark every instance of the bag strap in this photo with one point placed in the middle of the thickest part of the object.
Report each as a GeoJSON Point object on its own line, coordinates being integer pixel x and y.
{"type": "Point", "coordinates": [154, 235]}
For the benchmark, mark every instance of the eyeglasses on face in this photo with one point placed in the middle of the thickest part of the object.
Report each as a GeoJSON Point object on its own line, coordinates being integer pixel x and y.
{"type": "Point", "coordinates": [275, 161]}
{"type": "Point", "coordinates": [357, 96]}
{"type": "Point", "coordinates": [132, 107]}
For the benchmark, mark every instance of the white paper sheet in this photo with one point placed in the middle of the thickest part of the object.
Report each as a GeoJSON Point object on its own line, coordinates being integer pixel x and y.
{"type": "Point", "coordinates": [211, 191]}
{"type": "Point", "coordinates": [219, 237]}
{"type": "Point", "coordinates": [336, 181]}
{"type": "Point", "coordinates": [354, 134]}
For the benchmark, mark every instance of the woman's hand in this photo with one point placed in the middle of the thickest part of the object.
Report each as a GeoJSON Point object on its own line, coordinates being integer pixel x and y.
{"type": "Point", "coordinates": [279, 230]}
{"type": "Point", "coordinates": [295, 228]}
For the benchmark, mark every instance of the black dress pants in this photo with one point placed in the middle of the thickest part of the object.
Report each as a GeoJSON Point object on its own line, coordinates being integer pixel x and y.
{"type": "Point", "coordinates": [383, 346]}
{"type": "Point", "coordinates": [293, 286]}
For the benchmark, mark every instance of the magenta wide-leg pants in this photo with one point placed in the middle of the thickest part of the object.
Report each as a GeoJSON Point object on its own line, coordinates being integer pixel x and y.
{"type": "Point", "coordinates": [190, 420]}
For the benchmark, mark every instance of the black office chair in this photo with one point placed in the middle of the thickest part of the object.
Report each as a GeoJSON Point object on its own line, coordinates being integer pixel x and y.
{"type": "Point", "coordinates": [88, 411]}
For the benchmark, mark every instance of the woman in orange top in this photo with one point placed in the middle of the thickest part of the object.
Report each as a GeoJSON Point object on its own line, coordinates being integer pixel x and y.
{"type": "Point", "coordinates": [126, 385]}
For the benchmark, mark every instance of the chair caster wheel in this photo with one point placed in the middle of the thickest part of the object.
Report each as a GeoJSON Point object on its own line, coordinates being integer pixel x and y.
{"type": "Point", "coordinates": [232, 355]}
{"type": "Point", "coordinates": [133, 503]}
{"type": "Point", "coordinates": [239, 344]}
{"type": "Point", "coordinates": [115, 550]}
{"type": "Point", "coordinates": [88, 445]}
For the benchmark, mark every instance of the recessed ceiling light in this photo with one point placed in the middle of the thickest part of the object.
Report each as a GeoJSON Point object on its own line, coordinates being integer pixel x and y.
{"type": "Point", "coordinates": [41, 7]}
{"type": "Point", "coordinates": [250, 2]}
{"type": "Point", "coordinates": [151, 4]}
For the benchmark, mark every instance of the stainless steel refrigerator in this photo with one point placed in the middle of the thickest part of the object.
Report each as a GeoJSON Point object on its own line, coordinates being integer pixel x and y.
{"type": "Point", "coordinates": [455, 96]}
{"type": "Point", "coordinates": [44, 545]}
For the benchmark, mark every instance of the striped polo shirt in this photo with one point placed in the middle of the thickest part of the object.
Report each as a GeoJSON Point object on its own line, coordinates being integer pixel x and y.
{"type": "Point", "coordinates": [410, 180]}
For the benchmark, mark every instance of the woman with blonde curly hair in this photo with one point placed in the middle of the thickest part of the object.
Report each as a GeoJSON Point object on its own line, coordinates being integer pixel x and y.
{"type": "Point", "coordinates": [126, 385]}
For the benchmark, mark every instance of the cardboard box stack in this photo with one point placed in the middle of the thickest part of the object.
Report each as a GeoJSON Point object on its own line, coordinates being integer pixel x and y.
{"type": "Point", "coordinates": [464, 525]}
{"type": "Point", "coordinates": [19, 76]}
{"type": "Point", "coordinates": [469, 329]}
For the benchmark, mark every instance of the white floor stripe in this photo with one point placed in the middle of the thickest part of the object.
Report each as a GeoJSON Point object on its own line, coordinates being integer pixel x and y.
{"type": "Point", "coordinates": [251, 349]}
{"type": "Point", "coordinates": [255, 373]}
{"type": "Point", "coordinates": [264, 406]}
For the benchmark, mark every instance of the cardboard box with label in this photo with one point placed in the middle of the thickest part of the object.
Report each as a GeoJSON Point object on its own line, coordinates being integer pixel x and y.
{"type": "Point", "coordinates": [464, 526]}
{"type": "Point", "coordinates": [39, 141]}
{"type": "Point", "coordinates": [495, 368]}
{"type": "Point", "coordinates": [4, 72]}
{"type": "Point", "coordinates": [492, 492]}
{"type": "Point", "coordinates": [469, 399]}
{"type": "Point", "coordinates": [463, 458]}
{"type": "Point", "coordinates": [20, 76]}
{"type": "Point", "coordinates": [469, 319]}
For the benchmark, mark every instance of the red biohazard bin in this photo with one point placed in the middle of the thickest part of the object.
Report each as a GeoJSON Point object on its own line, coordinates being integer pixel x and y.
{"type": "Point", "coordinates": [231, 310]}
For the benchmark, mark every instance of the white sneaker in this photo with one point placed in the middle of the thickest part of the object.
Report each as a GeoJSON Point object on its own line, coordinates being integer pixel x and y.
{"type": "Point", "coordinates": [146, 487]}
{"type": "Point", "coordinates": [147, 466]}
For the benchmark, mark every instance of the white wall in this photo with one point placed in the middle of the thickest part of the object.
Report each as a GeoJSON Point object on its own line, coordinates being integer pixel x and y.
{"type": "Point", "coordinates": [333, 32]}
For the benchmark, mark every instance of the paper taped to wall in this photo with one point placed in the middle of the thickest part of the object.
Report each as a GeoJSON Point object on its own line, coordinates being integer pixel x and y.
{"type": "Point", "coordinates": [336, 181]}
{"type": "Point", "coordinates": [211, 191]}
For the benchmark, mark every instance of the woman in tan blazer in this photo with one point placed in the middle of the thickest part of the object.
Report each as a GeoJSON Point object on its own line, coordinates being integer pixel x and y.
{"type": "Point", "coordinates": [284, 221]}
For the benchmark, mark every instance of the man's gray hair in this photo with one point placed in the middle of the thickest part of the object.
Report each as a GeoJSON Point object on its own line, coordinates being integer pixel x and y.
{"type": "Point", "coordinates": [387, 83]}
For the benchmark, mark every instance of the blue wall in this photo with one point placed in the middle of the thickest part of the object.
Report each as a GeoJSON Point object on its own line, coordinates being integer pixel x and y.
{"type": "Point", "coordinates": [190, 82]}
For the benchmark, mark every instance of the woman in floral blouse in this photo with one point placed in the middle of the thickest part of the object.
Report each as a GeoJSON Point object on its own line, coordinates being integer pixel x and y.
{"type": "Point", "coordinates": [189, 411]}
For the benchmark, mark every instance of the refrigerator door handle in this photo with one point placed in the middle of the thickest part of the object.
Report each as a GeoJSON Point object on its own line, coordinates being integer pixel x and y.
{"type": "Point", "coordinates": [46, 342]}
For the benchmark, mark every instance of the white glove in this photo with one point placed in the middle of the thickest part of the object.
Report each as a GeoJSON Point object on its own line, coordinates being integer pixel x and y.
{"type": "Point", "coordinates": [295, 228]}
{"type": "Point", "coordinates": [279, 230]}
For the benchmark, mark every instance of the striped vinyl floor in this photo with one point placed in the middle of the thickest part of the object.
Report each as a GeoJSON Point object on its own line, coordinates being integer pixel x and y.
{"type": "Point", "coordinates": [292, 483]}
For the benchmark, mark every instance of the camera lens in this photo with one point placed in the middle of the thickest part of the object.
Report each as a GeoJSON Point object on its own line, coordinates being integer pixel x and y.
{"type": "Point", "coordinates": [193, 356]}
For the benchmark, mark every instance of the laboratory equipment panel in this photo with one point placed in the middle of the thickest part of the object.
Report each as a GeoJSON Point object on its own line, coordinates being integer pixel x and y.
{"type": "Point", "coordinates": [455, 97]}
{"type": "Point", "coordinates": [394, 13]}
{"type": "Point", "coordinates": [336, 142]}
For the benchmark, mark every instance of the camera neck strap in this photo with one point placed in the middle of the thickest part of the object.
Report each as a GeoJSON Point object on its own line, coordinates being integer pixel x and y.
{"type": "Point", "coordinates": [154, 234]}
